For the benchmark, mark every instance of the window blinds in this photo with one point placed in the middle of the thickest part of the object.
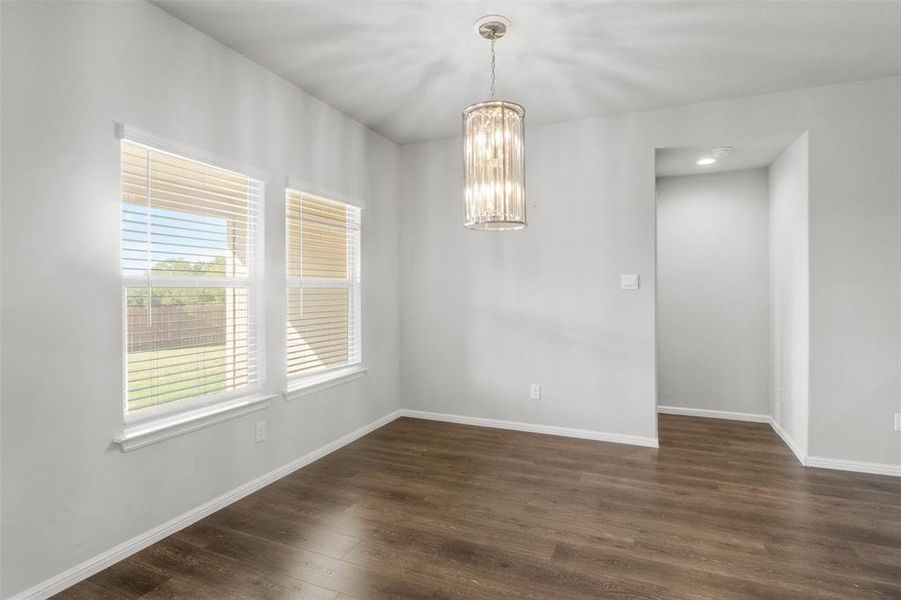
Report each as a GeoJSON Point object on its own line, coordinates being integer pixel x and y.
{"type": "Point", "coordinates": [323, 268]}
{"type": "Point", "coordinates": [189, 252]}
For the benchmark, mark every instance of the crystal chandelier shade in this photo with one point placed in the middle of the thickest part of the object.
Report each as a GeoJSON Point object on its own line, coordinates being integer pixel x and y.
{"type": "Point", "coordinates": [494, 166]}
{"type": "Point", "coordinates": [494, 154]}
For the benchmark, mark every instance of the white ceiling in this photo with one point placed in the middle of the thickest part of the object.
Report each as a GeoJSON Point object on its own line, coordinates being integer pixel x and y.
{"type": "Point", "coordinates": [746, 154]}
{"type": "Point", "coordinates": [407, 68]}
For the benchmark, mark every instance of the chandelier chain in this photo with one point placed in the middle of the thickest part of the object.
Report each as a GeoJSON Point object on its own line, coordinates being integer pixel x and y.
{"type": "Point", "coordinates": [492, 69]}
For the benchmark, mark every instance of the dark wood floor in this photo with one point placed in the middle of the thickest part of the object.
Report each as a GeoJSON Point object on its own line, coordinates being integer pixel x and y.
{"type": "Point", "coordinates": [420, 509]}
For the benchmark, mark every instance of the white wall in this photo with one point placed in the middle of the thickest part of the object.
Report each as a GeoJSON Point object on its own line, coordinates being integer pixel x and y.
{"type": "Point", "coordinates": [69, 70]}
{"type": "Point", "coordinates": [790, 292]}
{"type": "Point", "coordinates": [712, 292]}
{"type": "Point", "coordinates": [855, 255]}
{"type": "Point", "coordinates": [487, 314]}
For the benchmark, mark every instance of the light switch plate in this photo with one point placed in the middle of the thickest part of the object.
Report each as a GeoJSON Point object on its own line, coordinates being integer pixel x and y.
{"type": "Point", "coordinates": [629, 282]}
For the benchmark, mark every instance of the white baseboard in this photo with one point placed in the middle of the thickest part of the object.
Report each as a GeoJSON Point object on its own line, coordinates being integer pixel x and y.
{"type": "Point", "coordinates": [585, 434]}
{"type": "Point", "coordinates": [840, 464]}
{"type": "Point", "coordinates": [713, 414]}
{"type": "Point", "coordinates": [799, 452]}
{"type": "Point", "coordinates": [70, 577]}
{"type": "Point", "coordinates": [806, 461]}
{"type": "Point", "coordinates": [737, 416]}
{"type": "Point", "coordinates": [853, 465]}
{"type": "Point", "coordinates": [84, 570]}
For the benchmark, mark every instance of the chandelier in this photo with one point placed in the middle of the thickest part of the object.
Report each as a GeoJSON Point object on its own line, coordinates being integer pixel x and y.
{"type": "Point", "coordinates": [494, 153]}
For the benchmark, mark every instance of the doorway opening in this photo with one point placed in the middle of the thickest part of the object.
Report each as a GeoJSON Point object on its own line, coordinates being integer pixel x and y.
{"type": "Point", "coordinates": [733, 286]}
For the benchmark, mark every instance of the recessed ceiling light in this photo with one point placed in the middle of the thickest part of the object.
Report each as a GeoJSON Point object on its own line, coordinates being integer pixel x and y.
{"type": "Point", "coordinates": [706, 161]}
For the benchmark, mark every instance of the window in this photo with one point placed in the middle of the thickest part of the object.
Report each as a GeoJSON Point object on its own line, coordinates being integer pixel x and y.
{"type": "Point", "coordinates": [190, 244]}
{"type": "Point", "coordinates": [323, 267]}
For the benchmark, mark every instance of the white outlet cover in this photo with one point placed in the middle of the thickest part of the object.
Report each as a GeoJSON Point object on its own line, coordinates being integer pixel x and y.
{"type": "Point", "coordinates": [535, 392]}
{"type": "Point", "coordinates": [260, 431]}
{"type": "Point", "coordinates": [897, 421]}
{"type": "Point", "coordinates": [628, 281]}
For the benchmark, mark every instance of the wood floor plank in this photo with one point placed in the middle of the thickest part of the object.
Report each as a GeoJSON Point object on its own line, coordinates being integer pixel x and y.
{"type": "Point", "coordinates": [88, 590]}
{"type": "Point", "coordinates": [422, 509]}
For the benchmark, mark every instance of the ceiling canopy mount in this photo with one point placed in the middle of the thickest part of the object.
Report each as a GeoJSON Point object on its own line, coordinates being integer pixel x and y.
{"type": "Point", "coordinates": [492, 27]}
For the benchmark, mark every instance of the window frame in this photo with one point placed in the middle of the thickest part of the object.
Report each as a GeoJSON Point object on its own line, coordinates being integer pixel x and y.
{"type": "Point", "coordinates": [142, 423]}
{"type": "Point", "coordinates": [306, 383]}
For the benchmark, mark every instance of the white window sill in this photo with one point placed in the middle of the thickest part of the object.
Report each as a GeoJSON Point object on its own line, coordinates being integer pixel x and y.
{"type": "Point", "coordinates": [314, 383]}
{"type": "Point", "coordinates": [143, 434]}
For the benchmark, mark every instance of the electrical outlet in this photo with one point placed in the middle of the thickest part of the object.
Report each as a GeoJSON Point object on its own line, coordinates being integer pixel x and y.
{"type": "Point", "coordinates": [260, 431]}
{"type": "Point", "coordinates": [782, 395]}
{"type": "Point", "coordinates": [535, 392]}
{"type": "Point", "coordinates": [897, 421]}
